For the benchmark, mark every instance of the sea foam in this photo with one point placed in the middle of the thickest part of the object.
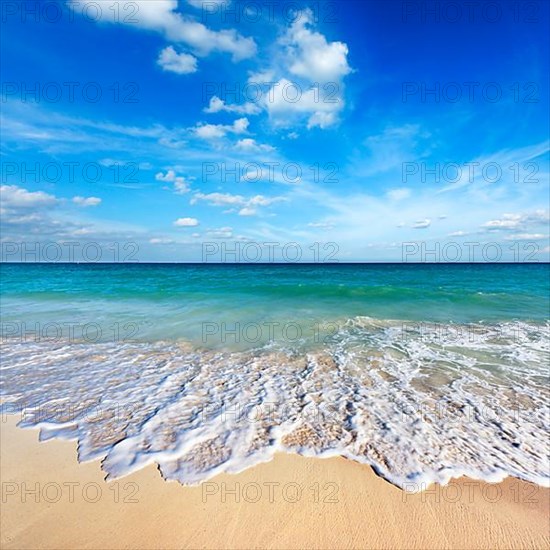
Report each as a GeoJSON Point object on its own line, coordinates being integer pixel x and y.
{"type": "Point", "coordinates": [420, 404]}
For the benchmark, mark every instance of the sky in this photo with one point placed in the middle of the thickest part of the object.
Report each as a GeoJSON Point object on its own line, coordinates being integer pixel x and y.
{"type": "Point", "coordinates": [190, 130]}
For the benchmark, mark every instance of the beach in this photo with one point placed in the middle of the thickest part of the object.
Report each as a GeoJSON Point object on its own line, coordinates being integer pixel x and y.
{"type": "Point", "coordinates": [343, 505]}
{"type": "Point", "coordinates": [275, 275]}
{"type": "Point", "coordinates": [275, 407]}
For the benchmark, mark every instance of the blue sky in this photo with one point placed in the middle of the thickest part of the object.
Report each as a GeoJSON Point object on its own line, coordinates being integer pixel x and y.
{"type": "Point", "coordinates": [171, 124]}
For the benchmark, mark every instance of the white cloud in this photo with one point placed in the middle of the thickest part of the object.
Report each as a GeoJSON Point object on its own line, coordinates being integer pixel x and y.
{"type": "Point", "coordinates": [43, 217]}
{"type": "Point", "coordinates": [221, 233]}
{"type": "Point", "coordinates": [216, 131]}
{"type": "Point", "coordinates": [247, 211]}
{"type": "Point", "coordinates": [218, 199]}
{"type": "Point", "coordinates": [502, 224]}
{"type": "Point", "coordinates": [162, 16]}
{"type": "Point", "coordinates": [305, 82]}
{"type": "Point", "coordinates": [538, 216]}
{"type": "Point", "coordinates": [161, 241]}
{"type": "Point", "coordinates": [12, 196]}
{"type": "Point", "coordinates": [399, 194]}
{"type": "Point", "coordinates": [322, 120]}
{"type": "Point", "coordinates": [311, 56]}
{"type": "Point", "coordinates": [248, 144]}
{"type": "Point", "coordinates": [186, 222]}
{"type": "Point", "coordinates": [180, 63]}
{"type": "Point", "coordinates": [180, 185]}
{"type": "Point", "coordinates": [288, 103]}
{"type": "Point", "coordinates": [422, 224]}
{"type": "Point", "coordinates": [217, 105]}
{"type": "Point", "coordinates": [518, 221]}
{"type": "Point", "coordinates": [245, 206]}
{"type": "Point", "coordinates": [86, 201]}
{"type": "Point", "coordinates": [172, 143]}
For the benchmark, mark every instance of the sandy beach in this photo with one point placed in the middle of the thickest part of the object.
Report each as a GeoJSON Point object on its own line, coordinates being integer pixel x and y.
{"type": "Point", "coordinates": [51, 501]}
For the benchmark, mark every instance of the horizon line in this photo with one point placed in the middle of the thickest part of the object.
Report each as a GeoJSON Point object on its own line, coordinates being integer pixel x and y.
{"type": "Point", "coordinates": [276, 263]}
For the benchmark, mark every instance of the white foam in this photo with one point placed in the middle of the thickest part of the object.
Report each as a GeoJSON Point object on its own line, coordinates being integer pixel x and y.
{"type": "Point", "coordinates": [421, 405]}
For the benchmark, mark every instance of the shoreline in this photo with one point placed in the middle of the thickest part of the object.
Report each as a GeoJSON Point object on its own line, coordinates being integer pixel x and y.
{"type": "Point", "coordinates": [289, 502]}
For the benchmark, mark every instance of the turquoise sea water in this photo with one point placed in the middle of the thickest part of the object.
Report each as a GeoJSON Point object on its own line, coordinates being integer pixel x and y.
{"type": "Point", "coordinates": [425, 372]}
{"type": "Point", "coordinates": [159, 302]}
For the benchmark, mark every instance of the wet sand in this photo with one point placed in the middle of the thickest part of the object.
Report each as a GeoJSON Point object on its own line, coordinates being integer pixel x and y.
{"type": "Point", "coordinates": [51, 501]}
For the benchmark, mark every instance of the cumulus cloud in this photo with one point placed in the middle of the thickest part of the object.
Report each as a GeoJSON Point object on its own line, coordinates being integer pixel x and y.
{"type": "Point", "coordinates": [508, 221]}
{"type": "Point", "coordinates": [217, 105]}
{"type": "Point", "coordinates": [186, 222]}
{"type": "Point", "coordinates": [513, 221]}
{"type": "Point", "coordinates": [288, 103]}
{"type": "Point", "coordinates": [309, 79]}
{"type": "Point", "coordinates": [217, 131]}
{"type": "Point", "coordinates": [180, 185]}
{"type": "Point", "coordinates": [422, 224]}
{"type": "Point", "coordinates": [179, 63]}
{"type": "Point", "coordinates": [42, 217]}
{"type": "Point", "coordinates": [162, 16]}
{"type": "Point", "coordinates": [12, 196]}
{"type": "Point", "coordinates": [247, 211]}
{"type": "Point", "coordinates": [311, 56]}
{"type": "Point", "coordinates": [86, 201]}
{"type": "Point", "coordinates": [304, 85]}
{"type": "Point", "coordinates": [251, 145]}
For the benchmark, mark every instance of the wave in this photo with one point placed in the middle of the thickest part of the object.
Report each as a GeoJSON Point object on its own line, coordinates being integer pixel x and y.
{"type": "Point", "coordinates": [419, 402]}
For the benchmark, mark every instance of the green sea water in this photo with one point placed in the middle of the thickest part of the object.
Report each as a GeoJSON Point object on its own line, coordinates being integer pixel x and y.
{"type": "Point", "coordinates": [246, 304]}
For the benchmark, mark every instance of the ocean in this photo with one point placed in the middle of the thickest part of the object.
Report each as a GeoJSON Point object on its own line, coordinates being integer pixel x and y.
{"type": "Point", "coordinates": [424, 371]}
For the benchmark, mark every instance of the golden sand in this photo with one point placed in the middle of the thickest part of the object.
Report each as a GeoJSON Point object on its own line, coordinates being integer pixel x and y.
{"type": "Point", "coordinates": [51, 501]}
